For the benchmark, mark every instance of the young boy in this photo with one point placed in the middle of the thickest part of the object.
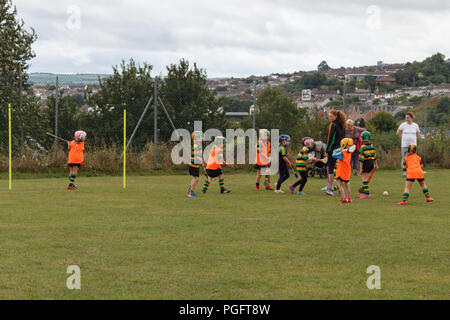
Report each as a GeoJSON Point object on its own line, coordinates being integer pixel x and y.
{"type": "Point", "coordinates": [367, 163]}
{"type": "Point", "coordinates": [344, 169]}
{"type": "Point", "coordinates": [263, 158]}
{"type": "Point", "coordinates": [300, 164]}
{"type": "Point", "coordinates": [196, 162]}
{"type": "Point", "coordinates": [214, 166]}
{"type": "Point", "coordinates": [412, 165]}
{"type": "Point", "coordinates": [283, 162]}
{"type": "Point", "coordinates": [76, 158]}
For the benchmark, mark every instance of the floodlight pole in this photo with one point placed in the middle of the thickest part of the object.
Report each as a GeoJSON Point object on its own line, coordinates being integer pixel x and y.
{"type": "Point", "coordinates": [254, 105]}
{"type": "Point", "coordinates": [56, 116]}
{"type": "Point", "coordinates": [155, 124]}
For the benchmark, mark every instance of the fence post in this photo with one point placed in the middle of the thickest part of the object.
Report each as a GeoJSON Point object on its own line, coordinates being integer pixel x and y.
{"type": "Point", "coordinates": [155, 124]}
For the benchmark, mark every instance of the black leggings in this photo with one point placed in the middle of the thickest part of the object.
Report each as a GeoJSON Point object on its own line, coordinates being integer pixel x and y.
{"type": "Point", "coordinates": [301, 182]}
{"type": "Point", "coordinates": [284, 175]}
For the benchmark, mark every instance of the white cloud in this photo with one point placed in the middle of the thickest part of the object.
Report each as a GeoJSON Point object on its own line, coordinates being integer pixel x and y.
{"type": "Point", "coordinates": [234, 38]}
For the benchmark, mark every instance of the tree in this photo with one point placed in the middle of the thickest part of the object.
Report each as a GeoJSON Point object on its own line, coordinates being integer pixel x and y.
{"type": "Point", "coordinates": [323, 66]}
{"type": "Point", "coordinates": [15, 52]}
{"type": "Point", "coordinates": [383, 122]}
{"type": "Point", "coordinates": [187, 98]}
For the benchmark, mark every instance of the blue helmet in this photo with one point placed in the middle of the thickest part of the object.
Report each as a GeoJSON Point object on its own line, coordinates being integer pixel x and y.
{"type": "Point", "coordinates": [284, 137]}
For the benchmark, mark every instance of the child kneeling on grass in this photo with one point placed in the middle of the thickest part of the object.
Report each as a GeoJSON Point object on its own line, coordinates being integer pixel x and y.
{"type": "Point", "coordinates": [412, 165]}
{"type": "Point", "coordinates": [76, 157]}
{"type": "Point", "coordinates": [367, 163]}
{"type": "Point", "coordinates": [344, 169]}
{"type": "Point", "coordinates": [214, 166]}
{"type": "Point", "coordinates": [300, 164]}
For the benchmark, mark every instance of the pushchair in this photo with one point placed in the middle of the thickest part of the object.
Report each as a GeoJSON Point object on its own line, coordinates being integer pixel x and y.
{"type": "Point", "coordinates": [317, 168]}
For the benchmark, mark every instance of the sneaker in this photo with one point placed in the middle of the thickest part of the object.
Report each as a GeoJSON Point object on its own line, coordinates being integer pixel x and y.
{"type": "Point", "coordinates": [257, 188]}
{"type": "Point", "coordinates": [403, 203]}
{"type": "Point", "coordinates": [203, 191]}
{"type": "Point", "coordinates": [192, 195]}
{"type": "Point", "coordinates": [349, 200]}
{"type": "Point", "coordinates": [404, 175]}
{"type": "Point", "coordinates": [301, 193]}
{"type": "Point", "coordinates": [269, 188]}
{"type": "Point", "coordinates": [430, 199]}
{"type": "Point", "coordinates": [344, 200]}
{"type": "Point", "coordinates": [365, 196]}
{"type": "Point", "coordinates": [279, 191]}
{"type": "Point", "coordinates": [225, 191]}
{"type": "Point", "coordinates": [330, 192]}
{"type": "Point", "coordinates": [291, 187]}
{"type": "Point", "coordinates": [324, 189]}
{"type": "Point", "coordinates": [70, 188]}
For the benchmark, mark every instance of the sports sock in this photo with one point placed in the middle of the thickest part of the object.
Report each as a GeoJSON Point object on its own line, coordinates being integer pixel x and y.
{"type": "Point", "coordinates": [257, 184]}
{"type": "Point", "coordinates": [72, 180]}
{"type": "Point", "coordinates": [206, 185]}
{"type": "Point", "coordinates": [405, 196]}
{"type": "Point", "coordinates": [366, 187]}
{"type": "Point", "coordinates": [426, 192]}
{"type": "Point", "coordinates": [221, 184]}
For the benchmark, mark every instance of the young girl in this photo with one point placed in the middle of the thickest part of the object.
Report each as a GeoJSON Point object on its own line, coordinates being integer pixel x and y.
{"type": "Point", "coordinates": [367, 163]}
{"type": "Point", "coordinates": [412, 165]}
{"type": "Point", "coordinates": [214, 166]}
{"type": "Point", "coordinates": [196, 162]}
{"type": "Point", "coordinates": [344, 169]}
{"type": "Point", "coordinates": [263, 158]}
{"type": "Point", "coordinates": [76, 158]}
{"type": "Point", "coordinates": [300, 164]}
{"type": "Point", "coordinates": [284, 162]}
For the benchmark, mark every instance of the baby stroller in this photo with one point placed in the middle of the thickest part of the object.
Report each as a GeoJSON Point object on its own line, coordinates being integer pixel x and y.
{"type": "Point", "coordinates": [318, 168]}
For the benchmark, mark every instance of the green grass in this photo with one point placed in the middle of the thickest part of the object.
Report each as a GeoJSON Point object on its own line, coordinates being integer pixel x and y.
{"type": "Point", "coordinates": [152, 242]}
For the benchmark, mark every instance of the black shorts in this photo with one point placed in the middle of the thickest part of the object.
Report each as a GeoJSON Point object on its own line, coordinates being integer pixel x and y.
{"type": "Point", "coordinates": [257, 166]}
{"type": "Point", "coordinates": [343, 180]}
{"type": "Point", "coordinates": [368, 166]}
{"type": "Point", "coordinates": [214, 173]}
{"type": "Point", "coordinates": [331, 164]}
{"type": "Point", "coordinates": [412, 180]}
{"type": "Point", "coordinates": [195, 172]}
{"type": "Point", "coordinates": [71, 165]}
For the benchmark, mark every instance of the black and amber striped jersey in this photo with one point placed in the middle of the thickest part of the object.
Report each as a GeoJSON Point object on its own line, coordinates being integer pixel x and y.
{"type": "Point", "coordinates": [196, 155]}
{"type": "Point", "coordinates": [367, 152]}
{"type": "Point", "coordinates": [302, 159]}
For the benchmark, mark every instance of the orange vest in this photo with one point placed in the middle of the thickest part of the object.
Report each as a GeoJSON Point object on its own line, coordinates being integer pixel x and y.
{"type": "Point", "coordinates": [215, 159]}
{"type": "Point", "coordinates": [265, 151]}
{"type": "Point", "coordinates": [414, 167]}
{"type": "Point", "coordinates": [76, 152]}
{"type": "Point", "coordinates": [344, 168]}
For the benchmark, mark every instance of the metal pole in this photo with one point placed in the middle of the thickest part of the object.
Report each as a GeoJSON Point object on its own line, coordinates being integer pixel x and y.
{"type": "Point", "coordinates": [254, 105]}
{"type": "Point", "coordinates": [425, 129]}
{"type": "Point", "coordinates": [155, 124]}
{"type": "Point", "coordinates": [56, 115]}
{"type": "Point", "coordinates": [22, 135]}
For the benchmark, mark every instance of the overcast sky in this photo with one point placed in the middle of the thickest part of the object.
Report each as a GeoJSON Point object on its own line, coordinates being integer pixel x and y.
{"type": "Point", "coordinates": [233, 38]}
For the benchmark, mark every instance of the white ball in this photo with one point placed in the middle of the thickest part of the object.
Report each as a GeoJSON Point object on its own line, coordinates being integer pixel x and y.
{"type": "Point", "coordinates": [385, 193]}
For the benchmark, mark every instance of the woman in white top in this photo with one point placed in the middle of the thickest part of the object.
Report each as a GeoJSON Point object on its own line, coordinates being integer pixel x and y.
{"type": "Point", "coordinates": [408, 132]}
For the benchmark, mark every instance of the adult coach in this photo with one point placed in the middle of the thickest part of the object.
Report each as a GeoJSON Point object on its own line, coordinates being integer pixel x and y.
{"type": "Point", "coordinates": [408, 132]}
{"type": "Point", "coordinates": [353, 132]}
{"type": "Point", "coordinates": [336, 132]}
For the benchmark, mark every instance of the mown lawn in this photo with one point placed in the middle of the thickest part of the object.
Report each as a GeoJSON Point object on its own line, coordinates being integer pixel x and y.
{"type": "Point", "coordinates": [152, 242]}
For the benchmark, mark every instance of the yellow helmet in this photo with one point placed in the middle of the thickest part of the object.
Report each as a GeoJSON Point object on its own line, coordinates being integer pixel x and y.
{"type": "Point", "coordinates": [346, 143]}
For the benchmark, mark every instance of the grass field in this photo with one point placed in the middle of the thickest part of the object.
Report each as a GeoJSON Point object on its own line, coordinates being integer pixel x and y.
{"type": "Point", "coordinates": [152, 242]}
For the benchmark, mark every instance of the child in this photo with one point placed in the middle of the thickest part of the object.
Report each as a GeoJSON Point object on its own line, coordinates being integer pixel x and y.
{"type": "Point", "coordinates": [300, 164]}
{"type": "Point", "coordinates": [344, 169]}
{"type": "Point", "coordinates": [214, 166]}
{"type": "Point", "coordinates": [284, 162]}
{"type": "Point", "coordinates": [196, 162]}
{"type": "Point", "coordinates": [412, 165]}
{"type": "Point", "coordinates": [76, 158]}
{"type": "Point", "coordinates": [263, 158]}
{"type": "Point", "coordinates": [367, 163]}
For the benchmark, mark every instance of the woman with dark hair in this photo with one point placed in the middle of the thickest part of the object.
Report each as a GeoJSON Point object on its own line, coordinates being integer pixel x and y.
{"type": "Point", "coordinates": [336, 132]}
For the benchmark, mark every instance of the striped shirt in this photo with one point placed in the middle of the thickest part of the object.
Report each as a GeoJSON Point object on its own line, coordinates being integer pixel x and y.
{"type": "Point", "coordinates": [367, 152]}
{"type": "Point", "coordinates": [302, 159]}
{"type": "Point", "coordinates": [196, 156]}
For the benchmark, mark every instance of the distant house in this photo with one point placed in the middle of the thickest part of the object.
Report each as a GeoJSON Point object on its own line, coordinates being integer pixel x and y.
{"type": "Point", "coordinates": [386, 80]}
{"type": "Point", "coordinates": [236, 116]}
{"type": "Point", "coordinates": [360, 76]}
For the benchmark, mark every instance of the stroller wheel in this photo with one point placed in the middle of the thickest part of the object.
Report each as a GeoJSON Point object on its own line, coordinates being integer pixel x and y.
{"type": "Point", "coordinates": [310, 172]}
